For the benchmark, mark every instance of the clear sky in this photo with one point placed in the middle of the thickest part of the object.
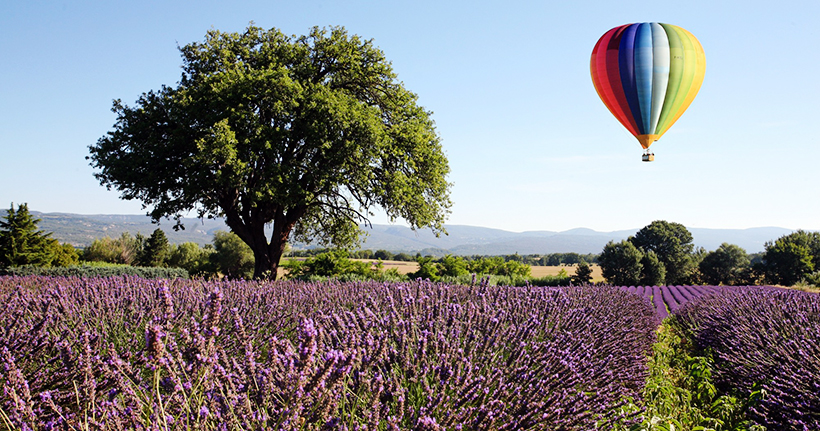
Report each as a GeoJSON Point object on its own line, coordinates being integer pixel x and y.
{"type": "Point", "coordinates": [530, 144]}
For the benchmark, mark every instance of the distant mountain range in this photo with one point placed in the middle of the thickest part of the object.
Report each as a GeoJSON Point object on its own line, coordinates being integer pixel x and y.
{"type": "Point", "coordinates": [80, 230]}
{"type": "Point", "coordinates": [471, 240]}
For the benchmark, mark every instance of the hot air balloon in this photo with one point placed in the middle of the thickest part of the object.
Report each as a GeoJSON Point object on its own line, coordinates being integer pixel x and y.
{"type": "Point", "coordinates": [647, 74]}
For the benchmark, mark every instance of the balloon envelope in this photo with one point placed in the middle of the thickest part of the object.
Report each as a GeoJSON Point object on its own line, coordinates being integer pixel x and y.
{"type": "Point", "coordinates": [647, 74]}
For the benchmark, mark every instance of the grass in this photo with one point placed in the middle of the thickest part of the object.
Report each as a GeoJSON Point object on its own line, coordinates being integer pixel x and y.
{"type": "Point", "coordinates": [680, 393]}
{"type": "Point", "coordinates": [541, 271]}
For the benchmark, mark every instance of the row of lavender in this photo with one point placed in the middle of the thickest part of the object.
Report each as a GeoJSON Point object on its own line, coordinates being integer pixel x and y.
{"type": "Point", "coordinates": [668, 299]}
{"type": "Point", "coordinates": [764, 336]}
{"type": "Point", "coordinates": [758, 335]}
{"type": "Point", "coordinates": [126, 353]}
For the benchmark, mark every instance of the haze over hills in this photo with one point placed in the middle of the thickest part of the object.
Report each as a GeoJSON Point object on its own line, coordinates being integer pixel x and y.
{"type": "Point", "coordinates": [80, 230]}
{"type": "Point", "coordinates": [469, 240]}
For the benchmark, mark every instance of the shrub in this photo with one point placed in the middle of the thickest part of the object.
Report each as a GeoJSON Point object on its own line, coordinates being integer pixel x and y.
{"type": "Point", "coordinates": [768, 337]}
{"type": "Point", "coordinates": [90, 271]}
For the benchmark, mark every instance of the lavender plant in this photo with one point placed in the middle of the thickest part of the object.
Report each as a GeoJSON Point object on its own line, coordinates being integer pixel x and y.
{"type": "Point", "coordinates": [128, 353]}
{"type": "Point", "coordinates": [667, 300]}
{"type": "Point", "coordinates": [763, 338]}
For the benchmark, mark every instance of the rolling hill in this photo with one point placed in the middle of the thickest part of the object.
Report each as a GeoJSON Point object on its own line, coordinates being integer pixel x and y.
{"type": "Point", "coordinates": [80, 230]}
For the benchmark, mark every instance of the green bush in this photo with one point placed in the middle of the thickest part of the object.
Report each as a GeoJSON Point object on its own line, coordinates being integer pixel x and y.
{"type": "Point", "coordinates": [812, 279]}
{"type": "Point", "coordinates": [89, 271]}
{"type": "Point", "coordinates": [332, 265]}
{"type": "Point", "coordinates": [680, 393]}
{"type": "Point", "coordinates": [551, 280]}
{"type": "Point", "coordinates": [506, 280]}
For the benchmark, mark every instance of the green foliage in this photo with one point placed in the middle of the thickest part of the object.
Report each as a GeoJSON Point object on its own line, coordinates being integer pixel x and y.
{"type": "Point", "coordinates": [552, 259]}
{"type": "Point", "coordinates": [653, 271]}
{"type": "Point", "coordinates": [21, 243]}
{"type": "Point", "coordinates": [156, 250]}
{"type": "Point", "coordinates": [332, 264]}
{"type": "Point", "coordinates": [680, 393]}
{"type": "Point", "coordinates": [231, 257]}
{"type": "Point", "coordinates": [498, 266]}
{"type": "Point", "coordinates": [504, 280]}
{"type": "Point", "coordinates": [453, 268]}
{"type": "Point", "coordinates": [123, 250]}
{"type": "Point", "coordinates": [810, 280]}
{"type": "Point", "coordinates": [383, 255]}
{"type": "Point", "coordinates": [792, 257]}
{"type": "Point", "coordinates": [404, 257]}
{"type": "Point", "coordinates": [728, 265]}
{"type": "Point", "coordinates": [660, 253]}
{"type": "Point", "coordinates": [484, 265]}
{"type": "Point", "coordinates": [583, 273]}
{"type": "Point", "coordinates": [621, 263]}
{"type": "Point", "coordinates": [562, 279]}
{"type": "Point", "coordinates": [672, 243]}
{"type": "Point", "coordinates": [96, 270]}
{"type": "Point", "coordinates": [428, 269]}
{"type": "Point", "coordinates": [555, 259]}
{"type": "Point", "coordinates": [190, 257]}
{"type": "Point", "coordinates": [306, 134]}
{"type": "Point", "coordinates": [62, 254]}
{"type": "Point", "coordinates": [513, 269]}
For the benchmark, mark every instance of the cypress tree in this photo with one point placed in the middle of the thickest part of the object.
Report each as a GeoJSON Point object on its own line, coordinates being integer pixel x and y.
{"type": "Point", "coordinates": [21, 243]}
{"type": "Point", "coordinates": [156, 249]}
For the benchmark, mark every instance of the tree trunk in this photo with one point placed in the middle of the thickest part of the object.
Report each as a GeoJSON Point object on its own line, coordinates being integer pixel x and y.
{"type": "Point", "coordinates": [267, 258]}
{"type": "Point", "coordinates": [264, 265]}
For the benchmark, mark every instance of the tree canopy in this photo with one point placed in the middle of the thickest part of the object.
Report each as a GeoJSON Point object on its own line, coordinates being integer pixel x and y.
{"type": "Point", "coordinates": [792, 256]}
{"type": "Point", "coordinates": [123, 250]}
{"type": "Point", "coordinates": [583, 273]}
{"type": "Point", "coordinates": [156, 250]}
{"type": "Point", "coordinates": [621, 263]}
{"type": "Point", "coordinates": [306, 135]}
{"type": "Point", "coordinates": [653, 271]}
{"type": "Point", "coordinates": [672, 243]}
{"type": "Point", "coordinates": [728, 265]}
{"type": "Point", "coordinates": [21, 242]}
{"type": "Point", "coordinates": [232, 257]}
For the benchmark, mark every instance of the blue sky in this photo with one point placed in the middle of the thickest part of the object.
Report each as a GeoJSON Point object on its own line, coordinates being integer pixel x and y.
{"type": "Point", "coordinates": [530, 144]}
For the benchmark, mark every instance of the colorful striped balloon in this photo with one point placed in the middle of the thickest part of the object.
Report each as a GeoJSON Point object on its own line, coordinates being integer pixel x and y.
{"type": "Point", "coordinates": [647, 74]}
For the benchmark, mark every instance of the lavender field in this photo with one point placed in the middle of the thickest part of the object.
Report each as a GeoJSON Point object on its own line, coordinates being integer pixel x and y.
{"type": "Point", "coordinates": [127, 353]}
{"type": "Point", "coordinates": [669, 299]}
{"type": "Point", "coordinates": [761, 337]}
{"type": "Point", "coordinates": [768, 337]}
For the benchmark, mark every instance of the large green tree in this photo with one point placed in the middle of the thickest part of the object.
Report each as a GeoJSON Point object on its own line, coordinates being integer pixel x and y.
{"type": "Point", "coordinates": [583, 273]}
{"type": "Point", "coordinates": [62, 254]}
{"type": "Point", "coordinates": [672, 243]}
{"type": "Point", "coordinates": [791, 257]}
{"type": "Point", "coordinates": [653, 271]}
{"type": "Point", "coordinates": [621, 263]}
{"type": "Point", "coordinates": [728, 265]}
{"type": "Point", "coordinates": [21, 242]}
{"type": "Point", "coordinates": [306, 135]}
